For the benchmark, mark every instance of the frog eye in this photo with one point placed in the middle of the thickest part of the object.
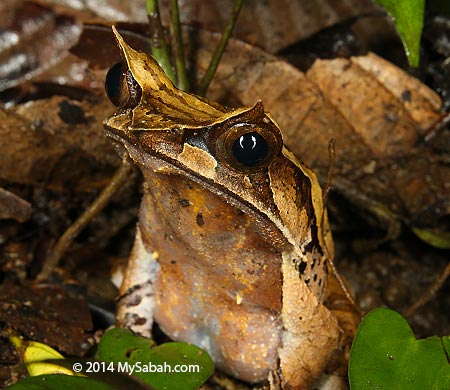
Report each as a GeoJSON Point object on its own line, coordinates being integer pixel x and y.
{"type": "Point", "coordinates": [248, 148]}
{"type": "Point", "coordinates": [112, 83]}
{"type": "Point", "coordinates": [121, 87]}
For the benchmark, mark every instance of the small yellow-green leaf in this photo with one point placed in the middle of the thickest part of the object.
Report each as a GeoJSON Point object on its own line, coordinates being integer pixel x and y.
{"type": "Point", "coordinates": [36, 355]}
{"type": "Point", "coordinates": [434, 238]}
{"type": "Point", "coordinates": [408, 18]}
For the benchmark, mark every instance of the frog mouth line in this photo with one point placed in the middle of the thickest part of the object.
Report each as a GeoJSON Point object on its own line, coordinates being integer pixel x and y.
{"type": "Point", "coordinates": [150, 156]}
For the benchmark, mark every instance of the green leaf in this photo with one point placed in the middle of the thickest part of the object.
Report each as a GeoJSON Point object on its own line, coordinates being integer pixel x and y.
{"type": "Point", "coordinates": [446, 344]}
{"type": "Point", "coordinates": [58, 382]}
{"type": "Point", "coordinates": [39, 358]}
{"type": "Point", "coordinates": [408, 18]}
{"type": "Point", "coordinates": [121, 345]}
{"type": "Point", "coordinates": [435, 238]}
{"type": "Point", "coordinates": [385, 355]}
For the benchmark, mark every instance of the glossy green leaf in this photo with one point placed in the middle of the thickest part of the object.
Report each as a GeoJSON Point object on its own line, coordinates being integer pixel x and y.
{"type": "Point", "coordinates": [58, 382]}
{"type": "Point", "coordinates": [121, 345]}
{"type": "Point", "coordinates": [385, 355]}
{"type": "Point", "coordinates": [408, 18]}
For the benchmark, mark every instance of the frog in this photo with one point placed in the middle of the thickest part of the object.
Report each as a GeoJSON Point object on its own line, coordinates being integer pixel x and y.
{"type": "Point", "coordinates": [233, 245]}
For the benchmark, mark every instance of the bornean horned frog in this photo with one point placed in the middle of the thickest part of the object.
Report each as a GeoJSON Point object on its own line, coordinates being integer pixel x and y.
{"type": "Point", "coordinates": [233, 240]}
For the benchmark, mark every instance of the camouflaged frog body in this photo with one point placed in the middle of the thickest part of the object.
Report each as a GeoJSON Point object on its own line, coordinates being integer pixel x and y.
{"type": "Point", "coordinates": [232, 242]}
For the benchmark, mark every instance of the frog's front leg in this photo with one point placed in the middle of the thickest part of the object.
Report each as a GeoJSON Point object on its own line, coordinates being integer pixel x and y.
{"type": "Point", "coordinates": [136, 302]}
{"type": "Point", "coordinates": [310, 332]}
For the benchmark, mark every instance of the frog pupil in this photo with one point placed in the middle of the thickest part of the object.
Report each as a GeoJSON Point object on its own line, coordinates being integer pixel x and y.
{"type": "Point", "coordinates": [250, 149]}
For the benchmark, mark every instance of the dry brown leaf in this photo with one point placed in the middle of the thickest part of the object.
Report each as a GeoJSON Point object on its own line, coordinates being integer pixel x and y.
{"type": "Point", "coordinates": [378, 114]}
{"type": "Point", "coordinates": [108, 9]}
{"type": "Point", "coordinates": [13, 206]}
{"type": "Point", "coordinates": [42, 145]}
{"type": "Point", "coordinates": [36, 38]}
{"type": "Point", "coordinates": [289, 20]}
{"type": "Point", "coordinates": [419, 101]}
{"type": "Point", "coordinates": [35, 61]}
{"type": "Point", "coordinates": [373, 113]}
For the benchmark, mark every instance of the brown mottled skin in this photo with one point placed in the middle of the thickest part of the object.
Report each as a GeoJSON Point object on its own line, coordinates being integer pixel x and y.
{"type": "Point", "coordinates": [229, 257]}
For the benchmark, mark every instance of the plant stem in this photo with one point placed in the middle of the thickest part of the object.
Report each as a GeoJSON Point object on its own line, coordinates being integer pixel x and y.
{"type": "Point", "coordinates": [430, 293]}
{"type": "Point", "coordinates": [206, 80]}
{"type": "Point", "coordinates": [120, 177]}
{"type": "Point", "coordinates": [159, 45]}
{"type": "Point", "coordinates": [177, 45]}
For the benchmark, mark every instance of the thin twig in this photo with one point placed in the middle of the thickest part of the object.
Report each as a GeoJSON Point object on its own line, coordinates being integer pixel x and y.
{"type": "Point", "coordinates": [344, 288]}
{"type": "Point", "coordinates": [326, 190]}
{"type": "Point", "coordinates": [159, 45]}
{"type": "Point", "coordinates": [348, 295]}
{"type": "Point", "coordinates": [430, 293]}
{"type": "Point", "coordinates": [119, 178]}
{"type": "Point", "coordinates": [331, 164]}
{"type": "Point", "coordinates": [177, 45]}
{"type": "Point", "coordinates": [439, 125]}
{"type": "Point", "coordinates": [210, 72]}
